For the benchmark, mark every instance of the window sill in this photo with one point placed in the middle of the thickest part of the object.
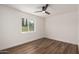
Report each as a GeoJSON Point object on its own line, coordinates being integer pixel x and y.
{"type": "Point", "coordinates": [27, 32]}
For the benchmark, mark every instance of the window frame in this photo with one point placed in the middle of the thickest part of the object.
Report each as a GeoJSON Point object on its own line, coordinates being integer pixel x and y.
{"type": "Point", "coordinates": [28, 26]}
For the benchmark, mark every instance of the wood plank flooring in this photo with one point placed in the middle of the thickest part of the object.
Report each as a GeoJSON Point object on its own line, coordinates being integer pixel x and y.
{"type": "Point", "coordinates": [44, 46]}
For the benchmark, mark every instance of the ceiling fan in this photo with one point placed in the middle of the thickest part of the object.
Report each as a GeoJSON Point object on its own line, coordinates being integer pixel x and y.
{"type": "Point", "coordinates": [44, 8]}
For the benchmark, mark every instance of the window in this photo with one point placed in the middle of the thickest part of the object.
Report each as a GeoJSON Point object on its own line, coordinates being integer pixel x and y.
{"type": "Point", "coordinates": [28, 25]}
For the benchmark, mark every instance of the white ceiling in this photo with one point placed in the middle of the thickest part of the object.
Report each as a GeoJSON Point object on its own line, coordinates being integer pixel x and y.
{"type": "Point", "coordinates": [53, 8]}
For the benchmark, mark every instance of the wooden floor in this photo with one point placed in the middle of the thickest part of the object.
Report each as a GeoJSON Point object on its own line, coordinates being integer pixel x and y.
{"type": "Point", "coordinates": [44, 46]}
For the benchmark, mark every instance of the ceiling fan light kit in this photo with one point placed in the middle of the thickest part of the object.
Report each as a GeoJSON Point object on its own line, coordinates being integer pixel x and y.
{"type": "Point", "coordinates": [43, 11]}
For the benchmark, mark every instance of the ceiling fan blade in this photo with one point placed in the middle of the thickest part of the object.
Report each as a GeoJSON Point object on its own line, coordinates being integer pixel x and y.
{"type": "Point", "coordinates": [46, 6]}
{"type": "Point", "coordinates": [37, 11]}
{"type": "Point", "coordinates": [47, 12]}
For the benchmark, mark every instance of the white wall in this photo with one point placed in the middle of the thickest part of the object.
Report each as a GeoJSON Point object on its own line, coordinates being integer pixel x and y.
{"type": "Point", "coordinates": [10, 23]}
{"type": "Point", "coordinates": [62, 27]}
{"type": "Point", "coordinates": [78, 24]}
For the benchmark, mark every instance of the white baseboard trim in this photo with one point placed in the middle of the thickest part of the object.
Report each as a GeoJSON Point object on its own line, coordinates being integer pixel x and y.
{"type": "Point", "coordinates": [61, 40]}
{"type": "Point", "coordinates": [20, 43]}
